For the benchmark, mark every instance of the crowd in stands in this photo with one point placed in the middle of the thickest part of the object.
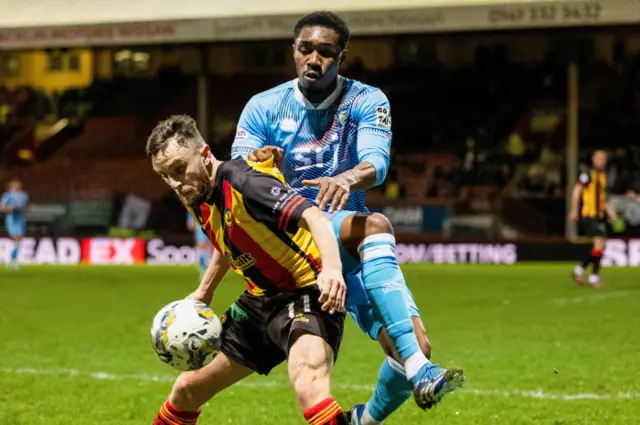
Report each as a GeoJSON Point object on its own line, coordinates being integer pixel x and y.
{"type": "Point", "coordinates": [492, 129]}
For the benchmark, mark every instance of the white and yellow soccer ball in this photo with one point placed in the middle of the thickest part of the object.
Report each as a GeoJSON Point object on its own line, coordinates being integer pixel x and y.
{"type": "Point", "coordinates": [186, 334]}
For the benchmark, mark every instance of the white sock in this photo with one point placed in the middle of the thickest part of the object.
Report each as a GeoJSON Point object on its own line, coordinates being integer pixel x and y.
{"type": "Point", "coordinates": [578, 270]}
{"type": "Point", "coordinates": [594, 278]}
{"type": "Point", "coordinates": [414, 363]}
{"type": "Point", "coordinates": [367, 419]}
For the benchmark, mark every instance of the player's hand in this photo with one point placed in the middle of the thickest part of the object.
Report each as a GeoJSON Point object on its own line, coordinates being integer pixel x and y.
{"type": "Point", "coordinates": [333, 290]}
{"type": "Point", "coordinates": [265, 153]}
{"type": "Point", "coordinates": [574, 215]}
{"type": "Point", "coordinates": [201, 295]}
{"type": "Point", "coordinates": [613, 217]}
{"type": "Point", "coordinates": [333, 191]}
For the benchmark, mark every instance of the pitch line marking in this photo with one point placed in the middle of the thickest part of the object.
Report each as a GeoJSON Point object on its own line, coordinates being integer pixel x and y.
{"type": "Point", "coordinates": [589, 298]}
{"type": "Point", "coordinates": [534, 394]}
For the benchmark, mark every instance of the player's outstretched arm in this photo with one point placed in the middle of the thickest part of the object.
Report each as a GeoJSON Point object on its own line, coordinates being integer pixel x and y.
{"type": "Point", "coordinates": [373, 143]}
{"type": "Point", "coordinates": [330, 280]}
{"type": "Point", "coordinates": [211, 279]}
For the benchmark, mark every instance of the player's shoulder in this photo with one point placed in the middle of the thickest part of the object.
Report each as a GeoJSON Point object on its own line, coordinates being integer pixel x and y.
{"type": "Point", "coordinates": [364, 94]}
{"type": "Point", "coordinates": [584, 176]}
{"type": "Point", "coordinates": [362, 89]}
{"type": "Point", "coordinates": [360, 86]}
{"type": "Point", "coordinates": [245, 176]}
{"type": "Point", "coordinates": [236, 172]}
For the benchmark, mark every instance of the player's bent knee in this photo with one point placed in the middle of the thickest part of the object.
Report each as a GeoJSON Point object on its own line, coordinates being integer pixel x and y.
{"type": "Point", "coordinates": [376, 224]}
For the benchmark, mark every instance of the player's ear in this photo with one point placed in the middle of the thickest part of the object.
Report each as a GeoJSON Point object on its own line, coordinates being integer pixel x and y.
{"type": "Point", "coordinates": [205, 153]}
{"type": "Point", "coordinates": [343, 56]}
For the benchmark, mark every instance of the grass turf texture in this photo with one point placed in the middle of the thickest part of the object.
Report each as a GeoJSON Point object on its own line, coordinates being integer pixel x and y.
{"type": "Point", "coordinates": [537, 349]}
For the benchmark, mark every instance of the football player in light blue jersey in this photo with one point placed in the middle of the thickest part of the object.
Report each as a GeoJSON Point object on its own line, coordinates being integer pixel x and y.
{"type": "Point", "coordinates": [201, 244]}
{"type": "Point", "coordinates": [15, 204]}
{"type": "Point", "coordinates": [331, 138]}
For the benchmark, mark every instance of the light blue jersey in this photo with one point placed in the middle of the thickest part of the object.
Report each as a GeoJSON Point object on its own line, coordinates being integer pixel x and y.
{"type": "Point", "coordinates": [15, 220]}
{"type": "Point", "coordinates": [351, 126]}
{"type": "Point", "coordinates": [18, 201]}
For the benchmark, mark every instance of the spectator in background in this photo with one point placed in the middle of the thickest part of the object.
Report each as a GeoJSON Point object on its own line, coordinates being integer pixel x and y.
{"type": "Point", "coordinates": [5, 106]}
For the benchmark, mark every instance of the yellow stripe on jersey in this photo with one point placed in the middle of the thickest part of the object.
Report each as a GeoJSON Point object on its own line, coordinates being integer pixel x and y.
{"type": "Point", "coordinates": [594, 195]}
{"type": "Point", "coordinates": [297, 261]}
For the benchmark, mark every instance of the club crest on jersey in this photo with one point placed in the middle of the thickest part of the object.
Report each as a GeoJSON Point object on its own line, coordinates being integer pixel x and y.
{"type": "Point", "coordinates": [275, 191]}
{"type": "Point", "coordinates": [342, 117]}
{"type": "Point", "coordinates": [228, 218]}
{"type": "Point", "coordinates": [383, 118]}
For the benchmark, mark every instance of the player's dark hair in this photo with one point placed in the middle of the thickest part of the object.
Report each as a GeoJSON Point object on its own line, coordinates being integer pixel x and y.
{"type": "Point", "coordinates": [325, 19]}
{"type": "Point", "coordinates": [181, 128]}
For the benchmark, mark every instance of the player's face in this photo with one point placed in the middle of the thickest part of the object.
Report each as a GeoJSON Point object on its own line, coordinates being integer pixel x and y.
{"type": "Point", "coordinates": [318, 56]}
{"type": "Point", "coordinates": [600, 160]}
{"type": "Point", "coordinates": [187, 170]}
{"type": "Point", "coordinates": [15, 186]}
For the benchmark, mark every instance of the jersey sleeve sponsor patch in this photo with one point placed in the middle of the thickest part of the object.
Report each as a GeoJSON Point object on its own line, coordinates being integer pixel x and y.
{"type": "Point", "coordinates": [241, 134]}
{"type": "Point", "coordinates": [383, 117]}
{"type": "Point", "coordinates": [584, 178]}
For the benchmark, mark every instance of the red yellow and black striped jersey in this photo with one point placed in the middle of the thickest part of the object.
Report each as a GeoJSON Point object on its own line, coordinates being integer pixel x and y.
{"type": "Point", "coordinates": [594, 193]}
{"type": "Point", "coordinates": [252, 218]}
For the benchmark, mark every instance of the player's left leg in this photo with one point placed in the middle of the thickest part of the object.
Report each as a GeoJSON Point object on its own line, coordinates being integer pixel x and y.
{"type": "Point", "coordinates": [599, 245]}
{"type": "Point", "coordinates": [596, 229]}
{"type": "Point", "coordinates": [310, 366]}
{"type": "Point", "coordinates": [16, 229]}
{"type": "Point", "coordinates": [370, 236]}
{"type": "Point", "coordinates": [192, 389]}
{"type": "Point", "coordinates": [392, 387]}
{"type": "Point", "coordinates": [311, 339]}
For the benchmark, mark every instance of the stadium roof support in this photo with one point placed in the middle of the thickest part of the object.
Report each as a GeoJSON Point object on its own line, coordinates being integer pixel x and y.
{"type": "Point", "coordinates": [66, 23]}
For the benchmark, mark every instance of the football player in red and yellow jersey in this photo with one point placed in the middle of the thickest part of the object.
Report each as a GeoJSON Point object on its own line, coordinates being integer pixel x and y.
{"type": "Point", "coordinates": [287, 253]}
{"type": "Point", "coordinates": [590, 197]}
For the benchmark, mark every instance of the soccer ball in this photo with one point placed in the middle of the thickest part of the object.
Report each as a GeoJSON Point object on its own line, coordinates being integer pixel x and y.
{"type": "Point", "coordinates": [186, 334]}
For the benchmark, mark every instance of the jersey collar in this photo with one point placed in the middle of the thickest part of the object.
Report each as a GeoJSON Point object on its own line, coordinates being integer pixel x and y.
{"type": "Point", "coordinates": [325, 103]}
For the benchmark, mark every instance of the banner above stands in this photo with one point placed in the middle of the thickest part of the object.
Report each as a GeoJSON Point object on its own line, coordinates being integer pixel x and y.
{"type": "Point", "coordinates": [437, 17]}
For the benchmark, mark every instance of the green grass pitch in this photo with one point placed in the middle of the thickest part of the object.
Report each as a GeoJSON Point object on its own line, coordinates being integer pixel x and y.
{"type": "Point", "coordinates": [537, 349]}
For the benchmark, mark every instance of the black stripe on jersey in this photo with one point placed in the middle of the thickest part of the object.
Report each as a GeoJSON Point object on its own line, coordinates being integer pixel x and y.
{"type": "Point", "coordinates": [285, 238]}
{"type": "Point", "coordinates": [252, 272]}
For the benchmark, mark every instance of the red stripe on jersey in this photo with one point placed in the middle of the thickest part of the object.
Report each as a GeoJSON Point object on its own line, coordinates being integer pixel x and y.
{"type": "Point", "coordinates": [205, 211]}
{"type": "Point", "coordinates": [289, 209]}
{"type": "Point", "coordinates": [279, 276]}
{"type": "Point", "coordinates": [315, 263]}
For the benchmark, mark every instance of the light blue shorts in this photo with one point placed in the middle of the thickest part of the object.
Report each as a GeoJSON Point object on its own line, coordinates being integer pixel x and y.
{"type": "Point", "coordinates": [15, 227]}
{"type": "Point", "coordinates": [358, 303]}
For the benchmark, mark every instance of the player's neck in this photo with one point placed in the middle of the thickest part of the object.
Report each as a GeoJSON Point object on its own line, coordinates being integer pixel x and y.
{"type": "Point", "coordinates": [215, 165]}
{"type": "Point", "coordinates": [318, 96]}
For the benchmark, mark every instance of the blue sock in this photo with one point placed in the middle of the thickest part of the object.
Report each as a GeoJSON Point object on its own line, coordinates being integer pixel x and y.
{"type": "Point", "coordinates": [14, 252]}
{"type": "Point", "coordinates": [204, 259]}
{"type": "Point", "coordinates": [392, 390]}
{"type": "Point", "coordinates": [385, 285]}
